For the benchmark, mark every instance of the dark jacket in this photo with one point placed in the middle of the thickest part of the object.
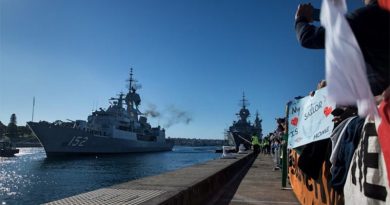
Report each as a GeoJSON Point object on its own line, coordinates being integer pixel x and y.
{"type": "Point", "coordinates": [349, 141]}
{"type": "Point", "coordinates": [371, 26]}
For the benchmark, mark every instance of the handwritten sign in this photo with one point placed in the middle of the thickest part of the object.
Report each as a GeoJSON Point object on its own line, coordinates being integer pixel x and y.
{"type": "Point", "coordinates": [310, 119]}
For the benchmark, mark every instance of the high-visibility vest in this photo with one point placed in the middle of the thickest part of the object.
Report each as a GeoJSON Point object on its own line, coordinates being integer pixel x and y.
{"type": "Point", "coordinates": [255, 140]}
{"type": "Point", "coordinates": [265, 143]}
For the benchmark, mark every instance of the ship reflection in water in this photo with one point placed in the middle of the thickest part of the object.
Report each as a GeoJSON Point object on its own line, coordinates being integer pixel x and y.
{"type": "Point", "coordinates": [31, 178]}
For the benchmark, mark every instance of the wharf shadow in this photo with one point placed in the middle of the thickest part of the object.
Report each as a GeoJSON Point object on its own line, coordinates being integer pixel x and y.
{"type": "Point", "coordinates": [227, 193]}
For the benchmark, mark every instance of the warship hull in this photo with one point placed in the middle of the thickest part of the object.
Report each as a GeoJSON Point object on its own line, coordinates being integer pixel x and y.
{"type": "Point", "coordinates": [64, 141]}
{"type": "Point", "coordinates": [241, 138]}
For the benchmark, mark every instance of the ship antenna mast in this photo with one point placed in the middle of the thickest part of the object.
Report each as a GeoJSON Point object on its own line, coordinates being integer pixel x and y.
{"type": "Point", "coordinates": [244, 101]}
{"type": "Point", "coordinates": [131, 80]}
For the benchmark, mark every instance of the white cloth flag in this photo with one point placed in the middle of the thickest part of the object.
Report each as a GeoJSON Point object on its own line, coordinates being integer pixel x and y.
{"type": "Point", "coordinates": [345, 67]}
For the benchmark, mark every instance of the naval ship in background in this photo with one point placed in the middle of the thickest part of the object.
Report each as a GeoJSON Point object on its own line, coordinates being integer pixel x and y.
{"type": "Point", "coordinates": [241, 131]}
{"type": "Point", "coordinates": [110, 131]}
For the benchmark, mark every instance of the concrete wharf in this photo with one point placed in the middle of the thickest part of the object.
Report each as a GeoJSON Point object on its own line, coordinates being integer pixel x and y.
{"type": "Point", "coordinates": [242, 180]}
{"type": "Point", "coordinates": [261, 185]}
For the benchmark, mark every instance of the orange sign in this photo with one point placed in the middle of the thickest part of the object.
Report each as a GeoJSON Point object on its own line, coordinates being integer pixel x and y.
{"type": "Point", "coordinates": [309, 191]}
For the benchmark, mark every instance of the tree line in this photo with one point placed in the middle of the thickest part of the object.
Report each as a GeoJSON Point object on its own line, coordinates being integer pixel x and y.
{"type": "Point", "coordinates": [13, 131]}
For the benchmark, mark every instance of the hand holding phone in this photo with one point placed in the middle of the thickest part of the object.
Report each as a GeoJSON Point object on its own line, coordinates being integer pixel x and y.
{"type": "Point", "coordinates": [316, 14]}
{"type": "Point", "coordinates": [306, 10]}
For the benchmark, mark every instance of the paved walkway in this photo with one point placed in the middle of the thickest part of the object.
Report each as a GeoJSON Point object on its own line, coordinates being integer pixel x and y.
{"type": "Point", "coordinates": [260, 185]}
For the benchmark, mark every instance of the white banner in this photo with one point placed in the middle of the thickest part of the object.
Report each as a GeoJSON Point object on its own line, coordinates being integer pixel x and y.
{"type": "Point", "coordinates": [310, 119]}
{"type": "Point", "coordinates": [367, 176]}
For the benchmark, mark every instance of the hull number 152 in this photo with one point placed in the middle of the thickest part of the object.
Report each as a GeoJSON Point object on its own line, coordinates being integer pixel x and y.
{"type": "Point", "coordinates": [77, 141]}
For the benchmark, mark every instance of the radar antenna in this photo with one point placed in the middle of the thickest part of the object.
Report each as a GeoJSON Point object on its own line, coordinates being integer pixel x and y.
{"type": "Point", "coordinates": [118, 101]}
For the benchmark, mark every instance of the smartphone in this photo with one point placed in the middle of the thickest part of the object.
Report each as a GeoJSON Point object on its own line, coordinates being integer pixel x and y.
{"type": "Point", "coordinates": [316, 14]}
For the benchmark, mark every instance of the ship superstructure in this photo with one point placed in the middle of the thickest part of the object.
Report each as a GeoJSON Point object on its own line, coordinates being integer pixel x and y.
{"type": "Point", "coordinates": [121, 128]}
{"type": "Point", "coordinates": [241, 131]}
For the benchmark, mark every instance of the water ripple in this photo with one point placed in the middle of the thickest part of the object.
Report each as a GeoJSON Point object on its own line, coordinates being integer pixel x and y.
{"type": "Point", "coordinates": [31, 178]}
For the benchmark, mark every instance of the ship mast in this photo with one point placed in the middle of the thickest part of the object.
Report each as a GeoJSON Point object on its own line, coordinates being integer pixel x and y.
{"type": "Point", "coordinates": [244, 113]}
{"type": "Point", "coordinates": [257, 125]}
{"type": "Point", "coordinates": [132, 98]}
{"type": "Point", "coordinates": [244, 101]}
{"type": "Point", "coordinates": [131, 80]}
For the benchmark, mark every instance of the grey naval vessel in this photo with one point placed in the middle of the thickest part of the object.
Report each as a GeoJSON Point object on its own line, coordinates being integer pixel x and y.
{"type": "Point", "coordinates": [241, 131]}
{"type": "Point", "coordinates": [112, 131]}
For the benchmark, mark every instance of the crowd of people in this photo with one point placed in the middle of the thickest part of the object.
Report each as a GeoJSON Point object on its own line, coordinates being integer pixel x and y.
{"type": "Point", "coordinates": [370, 26]}
{"type": "Point", "coordinates": [271, 144]}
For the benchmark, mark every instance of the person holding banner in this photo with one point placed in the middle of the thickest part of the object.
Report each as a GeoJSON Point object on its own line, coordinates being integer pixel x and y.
{"type": "Point", "coordinates": [320, 85]}
{"type": "Point", "coordinates": [343, 112]}
{"type": "Point", "coordinates": [370, 25]}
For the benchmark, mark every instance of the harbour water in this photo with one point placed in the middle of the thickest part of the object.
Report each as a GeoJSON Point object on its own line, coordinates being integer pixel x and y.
{"type": "Point", "coordinates": [31, 178]}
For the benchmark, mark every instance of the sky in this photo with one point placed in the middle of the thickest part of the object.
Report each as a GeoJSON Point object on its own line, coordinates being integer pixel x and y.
{"type": "Point", "coordinates": [193, 56]}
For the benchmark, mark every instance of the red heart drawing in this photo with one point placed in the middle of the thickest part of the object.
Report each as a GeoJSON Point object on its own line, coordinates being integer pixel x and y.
{"type": "Point", "coordinates": [294, 121]}
{"type": "Point", "coordinates": [328, 110]}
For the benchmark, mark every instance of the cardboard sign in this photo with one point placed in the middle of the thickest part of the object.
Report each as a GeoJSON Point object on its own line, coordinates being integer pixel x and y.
{"type": "Point", "coordinates": [310, 119]}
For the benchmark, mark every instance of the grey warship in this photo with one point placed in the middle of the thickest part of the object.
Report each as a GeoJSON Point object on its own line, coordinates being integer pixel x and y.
{"type": "Point", "coordinates": [112, 131]}
{"type": "Point", "coordinates": [241, 131]}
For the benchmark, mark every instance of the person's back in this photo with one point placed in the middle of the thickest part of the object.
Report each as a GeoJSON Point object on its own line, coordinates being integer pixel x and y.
{"type": "Point", "coordinates": [370, 26]}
